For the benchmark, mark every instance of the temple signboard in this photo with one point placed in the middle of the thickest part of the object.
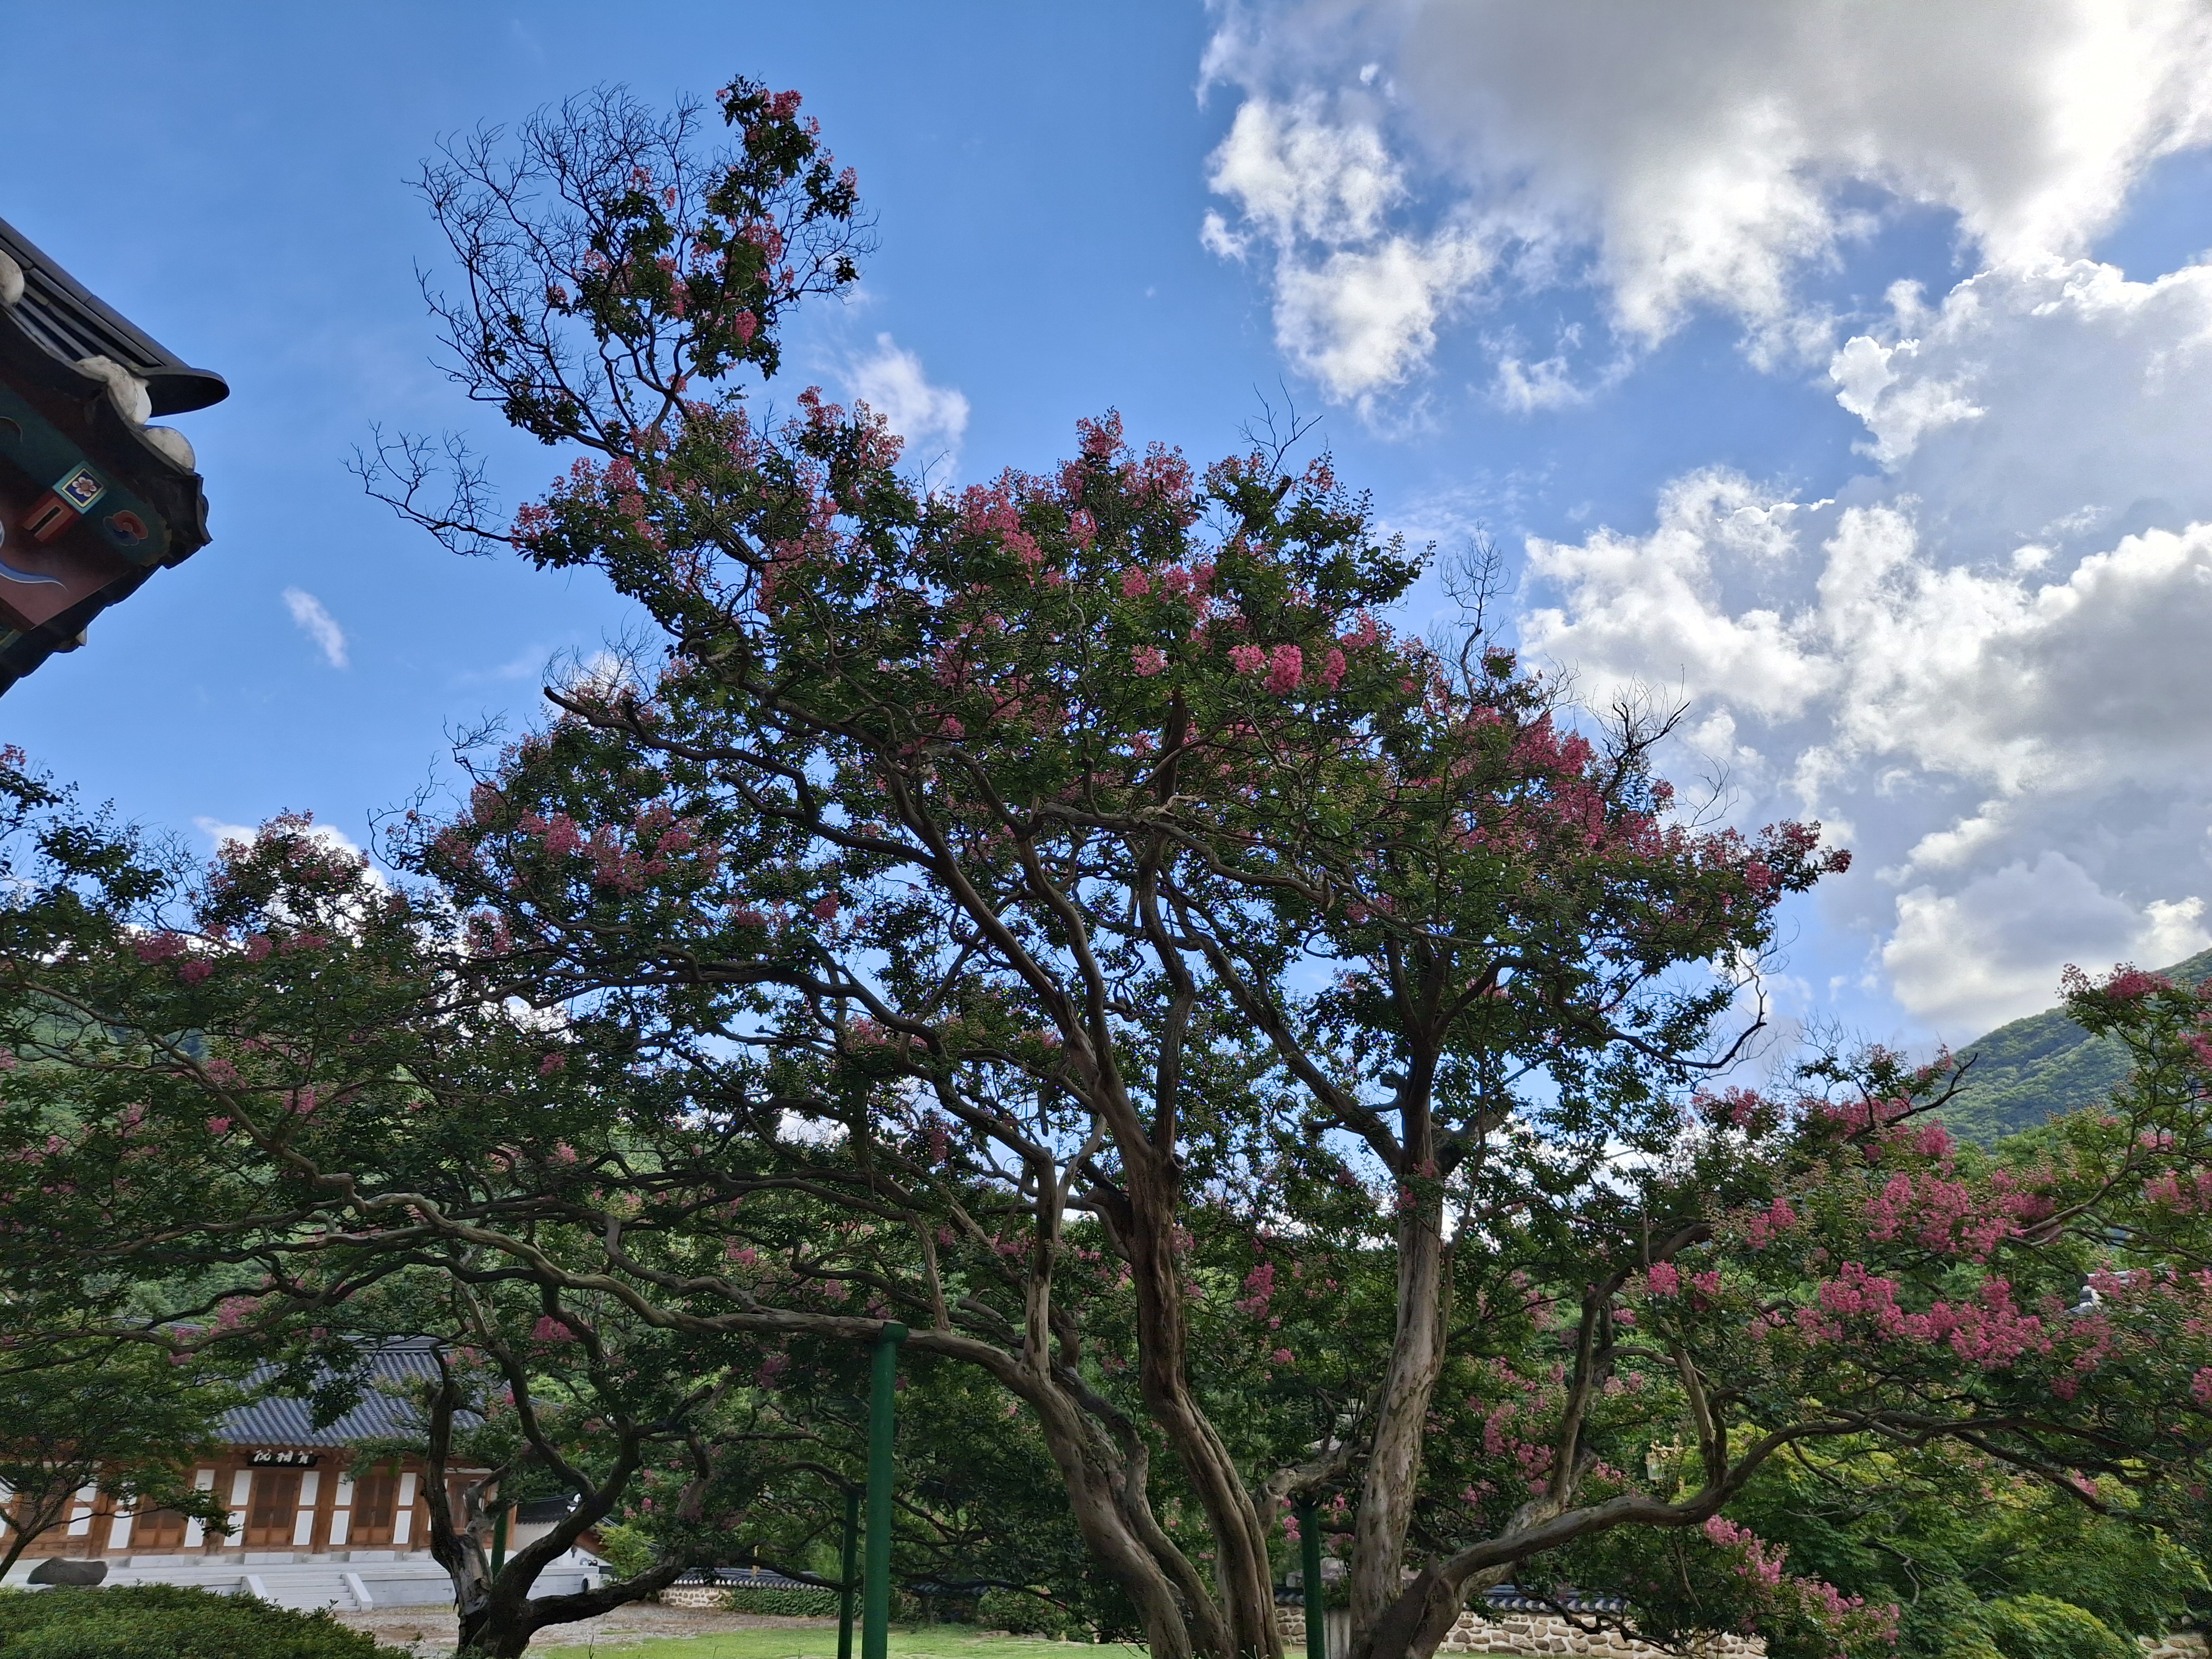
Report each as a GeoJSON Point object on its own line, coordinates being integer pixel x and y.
{"type": "Point", "coordinates": [93, 499]}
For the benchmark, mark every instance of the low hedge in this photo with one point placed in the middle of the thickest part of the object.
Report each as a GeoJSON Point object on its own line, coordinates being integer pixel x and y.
{"type": "Point", "coordinates": [802, 1601]}
{"type": "Point", "coordinates": [168, 1621]}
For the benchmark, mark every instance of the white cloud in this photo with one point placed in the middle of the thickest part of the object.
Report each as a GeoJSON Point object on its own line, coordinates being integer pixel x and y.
{"type": "Point", "coordinates": [1549, 383]}
{"type": "Point", "coordinates": [1363, 320]}
{"type": "Point", "coordinates": [1988, 660]}
{"type": "Point", "coordinates": [1987, 732]}
{"type": "Point", "coordinates": [317, 624]}
{"type": "Point", "coordinates": [2054, 404]}
{"type": "Point", "coordinates": [1355, 306]}
{"type": "Point", "coordinates": [933, 419]}
{"type": "Point", "coordinates": [1701, 154]}
{"type": "Point", "coordinates": [1680, 607]}
{"type": "Point", "coordinates": [1972, 959]}
{"type": "Point", "coordinates": [1296, 175]}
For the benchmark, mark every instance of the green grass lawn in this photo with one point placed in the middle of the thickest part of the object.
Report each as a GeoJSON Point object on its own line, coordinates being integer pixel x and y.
{"type": "Point", "coordinates": [928, 1642]}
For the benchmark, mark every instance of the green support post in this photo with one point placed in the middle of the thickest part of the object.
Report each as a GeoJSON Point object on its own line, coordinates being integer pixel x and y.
{"type": "Point", "coordinates": [1309, 1550]}
{"type": "Point", "coordinates": [846, 1584]}
{"type": "Point", "coordinates": [876, 1579]}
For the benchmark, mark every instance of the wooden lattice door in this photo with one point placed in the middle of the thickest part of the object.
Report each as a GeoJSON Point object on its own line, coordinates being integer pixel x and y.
{"type": "Point", "coordinates": [274, 1509]}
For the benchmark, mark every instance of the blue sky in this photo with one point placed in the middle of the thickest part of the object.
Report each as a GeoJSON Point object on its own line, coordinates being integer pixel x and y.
{"type": "Point", "coordinates": [1925, 563]}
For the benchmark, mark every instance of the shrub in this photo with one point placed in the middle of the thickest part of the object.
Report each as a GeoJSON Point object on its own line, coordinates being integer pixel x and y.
{"type": "Point", "coordinates": [1022, 1612]}
{"type": "Point", "coordinates": [627, 1550]}
{"type": "Point", "coordinates": [168, 1621]}
{"type": "Point", "coordinates": [2042, 1628]}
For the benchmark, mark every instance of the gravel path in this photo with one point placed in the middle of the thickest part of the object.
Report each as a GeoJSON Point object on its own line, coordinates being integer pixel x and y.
{"type": "Point", "coordinates": [428, 1631]}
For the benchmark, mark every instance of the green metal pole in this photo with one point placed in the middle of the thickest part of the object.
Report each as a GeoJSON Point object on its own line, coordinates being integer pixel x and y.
{"type": "Point", "coordinates": [1309, 1546]}
{"type": "Point", "coordinates": [851, 1570]}
{"type": "Point", "coordinates": [876, 1578]}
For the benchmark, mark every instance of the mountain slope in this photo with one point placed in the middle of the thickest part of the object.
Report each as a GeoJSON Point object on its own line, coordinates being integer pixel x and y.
{"type": "Point", "coordinates": [2037, 1068]}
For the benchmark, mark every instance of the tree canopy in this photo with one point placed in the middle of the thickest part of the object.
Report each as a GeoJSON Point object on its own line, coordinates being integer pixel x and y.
{"type": "Point", "coordinates": [1271, 1056]}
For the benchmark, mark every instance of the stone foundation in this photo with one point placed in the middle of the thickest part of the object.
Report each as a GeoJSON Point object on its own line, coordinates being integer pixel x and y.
{"type": "Point", "coordinates": [1531, 1633]}
{"type": "Point", "coordinates": [712, 1597]}
{"type": "Point", "coordinates": [2182, 1644]}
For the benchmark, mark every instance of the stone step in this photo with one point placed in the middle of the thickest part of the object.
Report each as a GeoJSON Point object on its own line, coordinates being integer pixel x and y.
{"type": "Point", "coordinates": [355, 1586]}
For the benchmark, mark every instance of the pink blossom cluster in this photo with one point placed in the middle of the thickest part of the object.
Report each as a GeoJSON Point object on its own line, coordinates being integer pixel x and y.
{"type": "Point", "coordinates": [2183, 1191]}
{"type": "Point", "coordinates": [1779, 1219]}
{"type": "Point", "coordinates": [1161, 478]}
{"type": "Point", "coordinates": [1990, 1331]}
{"type": "Point", "coordinates": [1758, 1563]}
{"type": "Point", "coordinates": [1259, 1288]}
{"type": "Point", "coordinates": [1762, 1565]}
{"type": "Point", "coordinates": [991, 511]}
{"type": "Point", "coordinates": [1286, 667]}
{"type": "Point", "coordinates": [656, 837]}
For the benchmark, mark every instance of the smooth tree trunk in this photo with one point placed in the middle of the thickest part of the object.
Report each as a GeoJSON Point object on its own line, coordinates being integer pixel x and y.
{"type": "Point", "coordinates": [1243, 1573]}
{"type": "Point", "coordinates": [1394, 1456]}
{"type": "Point", "coordinates": [496, 1612]}
{"type": "Point", "coordinates": [1112, 1513]}
{"type": "Point", "coordinates": [1101, 1458]}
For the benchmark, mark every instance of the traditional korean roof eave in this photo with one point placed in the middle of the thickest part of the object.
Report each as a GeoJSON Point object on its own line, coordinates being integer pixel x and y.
{"type": "Point", "coordinates": [69, 324]}
{"type": "Point", "coordinates": [46, 331]}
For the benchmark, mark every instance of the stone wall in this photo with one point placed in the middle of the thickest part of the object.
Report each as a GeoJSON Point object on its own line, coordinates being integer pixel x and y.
{"type": "Point", "coordinates": [1529, 1633]}
{"type": "Point", "coordinates": [694, 1595]}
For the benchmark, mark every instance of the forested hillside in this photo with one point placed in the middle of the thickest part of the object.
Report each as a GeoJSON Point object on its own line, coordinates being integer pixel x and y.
{"type": "Point", "coordinates": [2032, 1068]}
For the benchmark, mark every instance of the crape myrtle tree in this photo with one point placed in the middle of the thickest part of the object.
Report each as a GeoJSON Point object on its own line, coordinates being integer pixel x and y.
{"type": "Point", "coordinates": [81, 1410]}
{"type": "Point", "coordinates": [1016, 794]}
{"type": "Point", "coordinates": [347, 1143]}
{"type": "Point", "coordinates": [277, 1095]}
{"type": "Point", "coordinates": [1508, 1015]}
{"type": "Point", "coordinates": [253, 1112]}
{"type": "Point", "coordinates": [1807, 1295]}
{"type": "Point", "coordinates": [922, 934]}
{"type": "Point", "coordinates": [1972, 1551]}
{"type": "Point", "coordinates": [1867, 1288]}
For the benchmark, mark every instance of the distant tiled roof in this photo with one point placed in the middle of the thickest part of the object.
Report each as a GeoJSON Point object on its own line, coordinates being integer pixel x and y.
{"type": "Point", "coordinates": [1508, 1598]}
{"type": "Point", "coordinates": [747, 1579]}
{"type": "Point", "coordinates": [279, 1421]}
{"type": "Point", "coordinates": [1504, 1598]}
